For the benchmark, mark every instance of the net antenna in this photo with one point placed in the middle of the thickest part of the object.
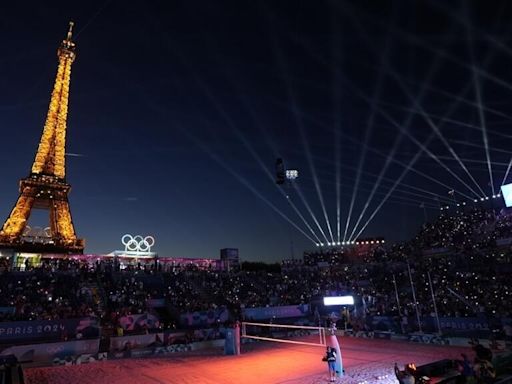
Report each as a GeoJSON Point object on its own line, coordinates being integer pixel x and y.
{"type": "Point", "coordinates": [320, 331]}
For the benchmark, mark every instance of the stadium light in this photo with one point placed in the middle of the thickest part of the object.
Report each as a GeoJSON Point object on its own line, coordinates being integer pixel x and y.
{"type": "Point", "coordinates": [338, 300]}
{"type": "Point", "coordinates": [292, 174]}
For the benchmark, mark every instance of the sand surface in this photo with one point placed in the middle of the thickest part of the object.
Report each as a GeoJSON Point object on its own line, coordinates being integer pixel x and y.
{"type": "Point", "coordinates": [365, 361]}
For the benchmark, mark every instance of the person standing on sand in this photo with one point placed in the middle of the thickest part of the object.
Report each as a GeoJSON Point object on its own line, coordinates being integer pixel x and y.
{"type": "Point", "coordinates": [330, 357]}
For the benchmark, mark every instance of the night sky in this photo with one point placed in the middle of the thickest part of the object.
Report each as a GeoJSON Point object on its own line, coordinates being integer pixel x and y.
{"type": "Point", "coordinates": [179, 110]}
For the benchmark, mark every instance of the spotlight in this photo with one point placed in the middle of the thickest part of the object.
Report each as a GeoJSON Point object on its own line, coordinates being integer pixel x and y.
{"type": "Point", "coordinates": [493, 196]}
{"type": "Point", "coordinates": [482, 199]}
{"type": "Point", "coordinates": [486, 197]}
{"type": "Point", "coordinates": [339, 243]}
{"type": "Point", "coordinates": [476, 200]}
{"type": "Point", "coordinates": [317, 244]}
{"type": "Point", "coordinates": [292, 174]}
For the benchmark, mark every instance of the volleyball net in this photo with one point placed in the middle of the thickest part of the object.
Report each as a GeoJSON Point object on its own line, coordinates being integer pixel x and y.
{"type": "Point", "coordinates": [284, 333]}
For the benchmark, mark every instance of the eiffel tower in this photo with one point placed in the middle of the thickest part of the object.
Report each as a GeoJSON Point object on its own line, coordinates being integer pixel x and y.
{"type": "Point", "coordinates": [46, 187]}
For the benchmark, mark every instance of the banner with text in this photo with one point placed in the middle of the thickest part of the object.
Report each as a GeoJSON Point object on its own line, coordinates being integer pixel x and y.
{"type": "Point", "coordinates": [263, 313]}
{"type": "Point", "coordinates": [46, 352]}
{"type": "Point", "coordinates": [14, 332]}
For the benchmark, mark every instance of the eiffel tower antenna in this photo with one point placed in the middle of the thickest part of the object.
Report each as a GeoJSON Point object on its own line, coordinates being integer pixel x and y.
{"type": "Point", "coordinates": [46, 187]}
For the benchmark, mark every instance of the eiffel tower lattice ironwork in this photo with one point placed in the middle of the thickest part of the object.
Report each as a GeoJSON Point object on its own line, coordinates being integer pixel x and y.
{"type": "Point", "coordinates": [46, 187]}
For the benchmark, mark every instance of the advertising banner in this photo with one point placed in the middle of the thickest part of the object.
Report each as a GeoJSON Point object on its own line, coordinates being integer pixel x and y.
{"type": "Point", "coordinates": [127, 343]}
{"type": "Point", "coordinates": [463, 323]}
{"type": "Point", "coordinates": [204, 318]}
{"type": "Point", "coordinates": [155, 303]}
{"type": "Point", "coordinates": [426, 338]}
{"type": "Point", "coordinates": [429, 324]}
{"type": "Point", "coordinates": [264, 313]}
{"type": "Point", "coordinates": [435, 251]}
{"type": "Point", "coordinates": [139, 322]}
{"type": "Point", "coordinates": [383, 323]}
{"type": "Point", "coordinates": [175, 338]}
{"type": "Point", "coordinates": [7, 310]}
{"type": "Point", "coordinates": [46, 352]}
{"type": "Point", "coordinates": [145, 352]}
{"type": "Point", "coordinates": [19, 331]}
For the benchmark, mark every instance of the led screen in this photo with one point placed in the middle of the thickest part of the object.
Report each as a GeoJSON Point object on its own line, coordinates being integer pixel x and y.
{"type": "Point", "coordinates": [339, 300]}
{"type": "Point", "coordinates": [506, 192]}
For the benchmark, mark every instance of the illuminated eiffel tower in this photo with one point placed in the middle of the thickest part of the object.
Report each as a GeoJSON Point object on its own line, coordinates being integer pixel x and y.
{"type": "Point", "coordinates": [46, 187]}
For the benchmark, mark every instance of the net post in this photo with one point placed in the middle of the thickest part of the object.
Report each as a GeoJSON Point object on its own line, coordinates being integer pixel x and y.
{"type": "Point", "coordinates": [333, 341]}
{"type": "Point", "coordinates": [237, 338]}
{"type": "Point", "coordinates": [232, 340]}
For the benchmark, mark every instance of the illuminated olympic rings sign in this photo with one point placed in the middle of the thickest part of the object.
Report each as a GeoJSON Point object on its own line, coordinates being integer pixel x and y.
{"type": "Point", "coordinates": [137, 243]}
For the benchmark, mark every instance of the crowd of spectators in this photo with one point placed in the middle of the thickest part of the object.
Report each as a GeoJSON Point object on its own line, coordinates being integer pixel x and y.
{"type": "Point", "coordinates": [466, 276]}
{"type": "Point", "coordinates": [52, 291]}
{"type": "Point", "coordinates": [464, 230]}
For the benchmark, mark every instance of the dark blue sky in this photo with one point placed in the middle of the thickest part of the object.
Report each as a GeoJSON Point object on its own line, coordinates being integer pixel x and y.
{"type": "Point", "coordinates": [179, 109]}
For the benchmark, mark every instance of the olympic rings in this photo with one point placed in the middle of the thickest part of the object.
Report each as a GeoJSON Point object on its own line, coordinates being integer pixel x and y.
{"type": "Point", "coordinates": [137, 243]}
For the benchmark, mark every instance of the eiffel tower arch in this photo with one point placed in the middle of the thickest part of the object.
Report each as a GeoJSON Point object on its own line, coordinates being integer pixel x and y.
{"type": "Point", "coordinates": [46, 187]}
